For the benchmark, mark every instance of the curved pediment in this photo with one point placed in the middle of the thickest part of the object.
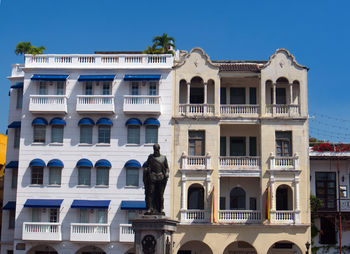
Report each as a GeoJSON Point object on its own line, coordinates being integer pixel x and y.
{"type": "Point", "coordinates": [196, 57]}
{"type": "Point", "coordinates": [282, 57]}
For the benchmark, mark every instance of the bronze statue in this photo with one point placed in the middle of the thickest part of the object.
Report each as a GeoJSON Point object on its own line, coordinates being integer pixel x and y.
{"type": "Point", "coordinates": [155, 177]}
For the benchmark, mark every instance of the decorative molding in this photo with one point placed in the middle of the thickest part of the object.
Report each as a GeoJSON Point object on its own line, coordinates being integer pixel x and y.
{"type": "Point", "coordinates": [289, 55]}
{"type": "Point", "coordinates": [201, 51]}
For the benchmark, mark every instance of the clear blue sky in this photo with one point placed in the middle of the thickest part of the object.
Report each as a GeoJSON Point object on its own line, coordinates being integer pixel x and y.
{"type": "Point", "coordinates": [316, 32]}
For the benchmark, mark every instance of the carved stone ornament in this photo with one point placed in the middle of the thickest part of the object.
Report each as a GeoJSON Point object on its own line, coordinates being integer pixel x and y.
{"type": "Point", "coordinates": [149, 244]}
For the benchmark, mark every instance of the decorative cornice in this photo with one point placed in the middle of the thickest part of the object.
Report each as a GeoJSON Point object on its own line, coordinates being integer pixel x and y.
{"type": "Point", "coordinates": [187, 55]}
{"type": "Point", "coordinates": [295, 63]}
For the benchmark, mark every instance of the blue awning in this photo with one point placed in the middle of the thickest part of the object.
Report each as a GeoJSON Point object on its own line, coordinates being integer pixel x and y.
{"type": "Point", "coordinates": [55, 163]}
{"type": "Point", "coordinates": [48, 77]}
{"type": "Point", "coordinates": [57, 121]}
{"type": "Point", "coordinates": [132, 164]}
{"type": "Point", "coordinates": [12, 164]}
{"type": "Point", "coordinates": [11, 205]}
{"type": "Point", "coordinates": [86, 121]}
{"type": "Point", "coordinates": [17, 85]}
{"type": "Point", "coordinates": [37, 163]}
{"type": "Point", "coordinates": [96, 77]}
{"type": "Point", "coordinates": [152, 121]}
{"type": "Point", "coordinates": [141, 77]}
{"type": "Point", "coordinates": [15, 124]}
{"type": "Point", "coordinates": [132, 205]}
{"type": "Point", "coordinates": [39, 121]}
{"type": "Point", "coordinates": [84, 163]}
{"type": "Point", "coordinates": [133, 121]}
{"type": "Point", "coordinates": [43, 203]}
{"type": "Point", "coordinates": [103, 163]}
{"type": "Point", "coordinates": [91, 204]}
{"type": "Point", "coordinates": [104, 121]}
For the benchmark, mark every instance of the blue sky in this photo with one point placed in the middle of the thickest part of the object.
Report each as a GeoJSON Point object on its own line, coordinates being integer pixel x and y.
{"type": "Point", "coordinates": [316, 32]}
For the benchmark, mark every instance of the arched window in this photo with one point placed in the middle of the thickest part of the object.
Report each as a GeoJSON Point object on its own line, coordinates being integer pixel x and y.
{"type": "Point", "coordinates": [55, 171]}
{"type": "Point", "coordinates": [37, 168]}
{"type": "Point", "coordinates": [57, 126]}
{"type": "Point", "coordinates": [39, 130]}
{"type": "Point", "coordinates": [133, 125]}
{"type": "Point", "coordinates": [284, 198]}
{"type": "Point", "coordinates": [195, 196]}
{"type": "Point", "coordinates": [104, 130]}
{"type": "Point", "coordinates": [237, 199]}
{"type": "Point", "coordinates": [132, 172]}
{"type": "Point", "coordinates": [86, 125]}
{"type": "Point", "coordinates": [84, 173]}
{"type": "Point", "coordinates": [102, 172]}
{"type": "Point", "coordinates": [152, 126]}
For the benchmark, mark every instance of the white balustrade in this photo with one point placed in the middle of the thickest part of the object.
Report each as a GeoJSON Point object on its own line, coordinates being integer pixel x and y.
{"type": "Point", "coordinates": [48, 103]}
{"type": "Point", "coordinates": [194, 216]}
{"type": "Point", "coordinates": [195, 162]}
{"type": "Point", "coordinates": [239, 216]}
{"type": "Point", "coordinates": [142, 104]}
{"type": "Point", "coordinates": [239, 110]}
{"type": "Point", "coordinates": [104, 60]}
{"type": "Point", "coordinates": [281, 217]}
{"type": "Point", "coordinates": [284, 162]}
{"type": "Point", "coordinates": [126, 233]}
{"type": "Point", "coordinates": [197, 109]}
{"type": "Point", "coordinates": [239, 162]}
{"type": "Point", "coordinates": [41, 231]}
{"type": "Point", "coordinates": [90, 232]}
{"type": "Point", "coordinates": [95, 103]}
{"type": "Point", "coordinates": [283, 110]}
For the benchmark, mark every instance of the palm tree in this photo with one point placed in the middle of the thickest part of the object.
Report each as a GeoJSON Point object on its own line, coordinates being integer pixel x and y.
{"type": "Point", "coordinates": [166, 44]}
{"type": "Point", "coordinates": [26, 47]}
{"type": "Point", "coordinates": [151, 50]}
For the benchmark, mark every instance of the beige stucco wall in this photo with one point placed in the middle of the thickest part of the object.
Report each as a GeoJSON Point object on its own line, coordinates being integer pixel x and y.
{"type": "Point", "coordinates": [261, 236]}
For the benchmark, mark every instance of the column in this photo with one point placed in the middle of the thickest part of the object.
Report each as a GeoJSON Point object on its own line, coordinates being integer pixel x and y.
{"type": "Point", "coordinates": [273, 199]}
{"type": "Point", "coordinates": [205, 93]}
{"type": "Point", "coordinates": [183, 191]}
{"type": "Point", "coordinates": [297, 201]}
{"type": "Point", "coordinates": [274, 93]}
{"type": "Point", "coordinates": [291, 93]}
{"type": "Point", "coordinates": [188, 92]}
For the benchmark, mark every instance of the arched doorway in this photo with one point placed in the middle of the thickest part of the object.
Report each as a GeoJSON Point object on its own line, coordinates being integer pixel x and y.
{"type": "Point", "coordinates": [195, 196]}
{"type": "Point", "coordinates": [284, 247]}
{"type": "Point", "coordinates": [42, 249]}
{"type": "Point", "coordinates": [237, 199]}
{"type": "Point", "coordinates": [90, 250]}
{"type": "Point", "coordinates": [193, 247]}
{"type": "Point", "coordinates": [240, 247]}
{"type": "Point", "coordinates": [284, 198]}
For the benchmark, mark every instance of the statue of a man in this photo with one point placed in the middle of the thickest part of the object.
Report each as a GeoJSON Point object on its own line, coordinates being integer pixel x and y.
{"type": "Point", "coordinates": [155, 177]}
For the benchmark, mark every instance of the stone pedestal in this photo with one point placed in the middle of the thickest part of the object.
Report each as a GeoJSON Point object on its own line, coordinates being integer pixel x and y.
{"type": "Point", "coordinates": [153, 234]}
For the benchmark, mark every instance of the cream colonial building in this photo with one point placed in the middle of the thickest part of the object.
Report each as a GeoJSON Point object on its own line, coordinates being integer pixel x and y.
{"type": "Point", "coordinates": [80, 128]}
{"type": "Point", "coordinates": [240, 148]}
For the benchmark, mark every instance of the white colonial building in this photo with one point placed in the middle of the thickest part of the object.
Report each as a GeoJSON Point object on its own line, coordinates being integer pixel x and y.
{"type": "Point", "coordinates": [80, 128]}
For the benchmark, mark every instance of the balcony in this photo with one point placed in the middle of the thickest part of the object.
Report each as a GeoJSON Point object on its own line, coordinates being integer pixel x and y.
{"type": "Point", "coordinates": [126, 233]}
{"type": "Point", "coordinates": [284, 163]}
{"type": "Point", "coordinates": [48, 103]}
{"type": "Point", "coordinates": [239, 216]}
{"type": "Point", "coordinates": [204, 110]}
{"type": "Point", "coordinates": [239, 110]}
{"type": "Point", "coordinates": [194, 216]}
{"type": "Point", "coordinates": [95, 104]}
{"type": "Point", "coordinates": [87, 232]}
{"type": "Point", "coordinates": [100, 61]}
{"type": "Point", "coordinates": [283, 217]}
{"type": "Point", "coordinates": [239, 163]}
{"type": "Point", "coordinates": [283, 110]}
{"type": "Point", "coordinates": [138, 104]}
{"type": "Point", "coordinates": [195, 162]}
{"type": "Point", "coordinates": [41, 231]}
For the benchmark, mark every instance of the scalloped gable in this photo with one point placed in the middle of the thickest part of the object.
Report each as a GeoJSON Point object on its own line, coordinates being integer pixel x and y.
{"type": "Point", "coordinates": [288, 57]}
{"type": "Point", "coordinates": [198, 57]}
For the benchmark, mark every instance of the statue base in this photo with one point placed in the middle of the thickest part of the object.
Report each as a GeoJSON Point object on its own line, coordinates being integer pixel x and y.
{"type": "Point", "coordinates": [153, 234]}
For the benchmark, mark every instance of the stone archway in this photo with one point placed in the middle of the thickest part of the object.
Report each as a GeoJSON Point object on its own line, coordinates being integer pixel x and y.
{"type": "Point", "coordinates": [42, 249]}
{"type": "Point", "coordinates": [284, 247]}
{"type": "Point", "coordinates": [240, 247]}
{"type": "Point", "coordinates": [90, 250]}
{"type": "Point", "coordinates": [193, 247]}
